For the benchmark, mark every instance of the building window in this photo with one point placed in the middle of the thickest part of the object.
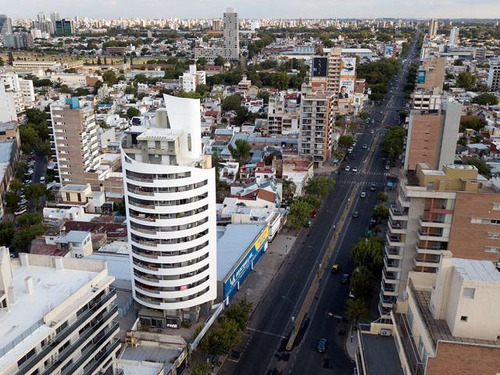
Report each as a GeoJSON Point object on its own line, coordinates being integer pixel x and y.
{"type": "Point", "coordinates": [494, 236]}
{"type": "Point", "coordinates": [469, 292]}
{"type": "Point", "coordinates": [492, 249]}
{"type": "Point", "coordinates": [463, 318]}
{"type": "Point", "coordinates": [496, 206]}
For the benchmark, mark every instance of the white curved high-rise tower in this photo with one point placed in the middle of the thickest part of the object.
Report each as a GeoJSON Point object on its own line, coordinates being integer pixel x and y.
{"type": "Point", "coordinates": [170, 197]}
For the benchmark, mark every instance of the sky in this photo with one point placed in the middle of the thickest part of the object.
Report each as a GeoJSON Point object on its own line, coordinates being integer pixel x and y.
{"type": "Point", "coordinates": [255, 8]}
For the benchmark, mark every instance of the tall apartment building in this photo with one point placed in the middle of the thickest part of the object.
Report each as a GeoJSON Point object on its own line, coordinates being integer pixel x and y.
{"type": "Point", "coordinates": [231, 35]}
{"type": "Point", "coordinates": [433, 28]}
{"type": "Point", "coordinates": [431, 73]}
{"type": "Point", "coordinates": [56, 316]}
{"type": "Point", "coordinates": [334, 68]}
{"type": "Point", "coordinates": [8, 109]}
{"type": "Point", "coordinates": [447, 323]}
{"type": "Point", "coordinates": [5, 25]}
{"type": "Point", "coordinates": [432, 136]}
{"type": "Point", "coordinates": [23, 90]}
{"type": "Point", "coordinates": [454, 36]}
{"type": "Point", "coordinates": [170, 196]}
{"type": "Point", "coordinates": [191, 79]}
{"type": "Point", "coordinates": [437, 210]}
{"type": "Point", "coordinates": [316, 124]}
{"type": "Point", "coordinates": [64, 27]}
{"type": "Point", "coordinates": [280, 119]}
{"type": "Point", "coordinates": [75, 143]}
{"type": "Point", "coordinates": [494, 75]}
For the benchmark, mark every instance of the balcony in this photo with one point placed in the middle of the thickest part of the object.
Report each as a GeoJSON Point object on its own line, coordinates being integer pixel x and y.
{"type": "Point", "coordinates": [389, 289]}
{"type": "Point", "coordinates": [397, 214]}
{"type": "Point", "coordinates": [403, 201]}
{"type": "Point", "coordinates": [394, 240]}
{"type": "Point", "coordinates": [397, 226]}
{"type": "Point", "coordinates": [393, 252]}
{"type": "Point", "coordinates": [390, 277]}
{"type": "Point", "coordinates": [423, 248]}
{"type": "Point", "coordinates": [432, 236]}
{"type": "Point", "coordinates": [99, 361]}
{"type": "Point", "coordinates": [66, 332]}
{"type": "Point", "coordinates": [391, 265]}
{"type": "Point", "coordinates": [433, 223]}
{"type": "Point", "coordinates": [430, 261]}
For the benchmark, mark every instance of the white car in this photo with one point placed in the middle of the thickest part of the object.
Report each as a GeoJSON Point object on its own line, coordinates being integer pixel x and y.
{"type": "Point", "coordinates": [354, 169]}
{"type": "Point", "coordinates": [363, 194]}
{"type": "Point", "coordinates": [347, 168]}
{"type": "Point", "coordinates": [20, 212]}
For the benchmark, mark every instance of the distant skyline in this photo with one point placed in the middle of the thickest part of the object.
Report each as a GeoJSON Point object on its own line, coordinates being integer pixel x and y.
{"type": "Point", "coordinates": [255, 8]}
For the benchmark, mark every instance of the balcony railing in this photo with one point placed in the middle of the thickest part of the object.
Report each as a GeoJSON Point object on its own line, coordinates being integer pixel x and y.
{"type": "Point", "coordinates": [98, 361]}
{"type": "Point", "coordinates": [66, 332]}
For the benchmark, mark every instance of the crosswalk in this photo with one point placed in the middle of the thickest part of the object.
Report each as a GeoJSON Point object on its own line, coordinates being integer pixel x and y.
{"type": "Point", "coordinates": [361, 183]}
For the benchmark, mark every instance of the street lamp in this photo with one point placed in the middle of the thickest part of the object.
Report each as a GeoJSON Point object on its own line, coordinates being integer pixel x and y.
{"type": "Point", "coordinates": [292, 318]}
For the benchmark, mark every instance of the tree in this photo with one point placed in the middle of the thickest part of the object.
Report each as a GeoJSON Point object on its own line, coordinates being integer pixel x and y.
{"type": "Point", "coordinates": [289, 189]}
{"type": "Point", "coordinates": [361, 282]}
{"type": "Point", "coordinates": [35, 192]}
{"type": "Point", "coordinates": [381, 212]}
{"type": "Point", "coordinates": [231, 103]}
{"type": "Point", "coordinates": [393, 142]}
{"type": "Point", "coordinates": [219, 61]}
{"type": "Point", "coordinates": [29, 138]}
{"type": "Point", "coordinates": [281, 80]}
{"type": "Point", "coordinates": [29, 219]}
{"type": "Point", "coordinates": [132, 112]}
{"type": "Point", "coordinates": [357, 309]}
{"type": "Point", "coordinates": [1, 62]}
{"type": "Point", "coordinates": [466, 80]}
{"type": "Point", "coordinates": [381, 196]}
{"type": "Point", "coordinates": [345, 141]}
{"type": "Point", "coordinates": [240, 151]}
{"type": "Point", "coordinates": [319, 186]}
{"type": "Point", "coordinates": [368, 253]}
{"type": "Point", "coordinates": [364, 116]}
{"type": "Point", "coordinates": [7, 232]}
{"type": "Point", "coordinates": [109, 77]}
{"type": "Point", "coordinates": [239, 312]}
{"type": "Point", "coordinates": [221, 339]}
{"type": "Point", "coordinates": [262, 94]}
{"type": "Point", "coordinates": [11, 58]}
{"type": "Point", "coordinates": [200, 368]}
{"type": "Point", "coordinates": [300, 212]}
{"type": "Point", "coordinates": [36, 116]}
{"type": "Point", "coordinates": [11, 201]}
{"type": "Point", "coordinates": [472, 122]}
{"type": "Point", "coordinates": [201, 61]}
{"type": "Point", "coordinates": [15, 185]}
{"type": "Point", "coordinates": [481, 166]}
{"type": "Point", "coordinates": [22, 238]}
{"type": "Point", "coordinates": [485, 98]}
{"type": "Point", "coordinates": [99, 60]}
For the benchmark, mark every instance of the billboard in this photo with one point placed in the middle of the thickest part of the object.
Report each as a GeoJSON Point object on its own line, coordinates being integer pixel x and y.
{"type": "Point", "coordinates": [346, 88]}
{"type": "Point", "coordinates": [389, 51]}
{"type": "Point", "coordinates": [348, 67]}
{"type": "Point", "coordinates": [320, 67]}
{"type": "Point", "coordinates": [421, 76]}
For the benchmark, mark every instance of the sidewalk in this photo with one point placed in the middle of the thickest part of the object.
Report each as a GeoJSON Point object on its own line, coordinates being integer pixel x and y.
{"type": "Point", "coordinates": [351, 343]}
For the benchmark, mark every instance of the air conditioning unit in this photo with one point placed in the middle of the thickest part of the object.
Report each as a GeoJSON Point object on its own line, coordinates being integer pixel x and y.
{"type": "Point", "coordinates": [385, 332]}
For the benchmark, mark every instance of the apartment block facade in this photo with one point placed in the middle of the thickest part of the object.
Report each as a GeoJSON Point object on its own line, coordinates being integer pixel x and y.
{"type": "Point", "coordinates": [57, 316]}
{"type": "Point", "coordinates": [334, 63]}
{"type": "Point", "coordinates": [317, 117]}
{"type": "Point", "coordinates": [494, 75]}
{"type": "Point", "coordinates": [437, 211]}
{"type": "Point", "coordinates": [231, 35]}
{"type": "Point", "coordinates": [170, 196]}
{"type": "Point", "coordinates": [75, 141]}
{"type": "Point", "coordinates": [281, 120]}
{"type": "Point", "coordinates": [447, 323]}
{"type": "Point", "coordinates": [432, 136]}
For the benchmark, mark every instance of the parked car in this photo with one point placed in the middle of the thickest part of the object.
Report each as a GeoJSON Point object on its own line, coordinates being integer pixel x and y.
{"type": "Point", "coordinates": [365, 146]}
{"type": "Point", "coordinates": [344, 278]}
{"type": "Point", "coordinates": [335, 268]}
{"type": "Point", "coordinates": [363, 194]}
{"type": "Point", "coordinates": [347, 168]}
{"type": "Point", "coordinates": [20, 212]}
{"type": "Point", "coordinates": [42, 179]}
{"type": "Point", "coordinates": [321, 347]}
{"type": "Point", "coordinates": [355, 214]}
{"type": "Point", "coordinates": [354, 169]}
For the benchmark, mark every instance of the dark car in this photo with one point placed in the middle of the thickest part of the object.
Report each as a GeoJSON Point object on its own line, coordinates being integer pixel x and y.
{"type": "Point", "coordinates": [344, 278]}
{"type": "Point", "coordinates": [355, 214]}
{"type": "Point", "coordinates": [321, 347]}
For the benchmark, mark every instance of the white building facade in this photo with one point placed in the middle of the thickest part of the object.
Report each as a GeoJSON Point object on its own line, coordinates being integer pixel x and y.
{"type": "Point", "coordinates": [170, 195]}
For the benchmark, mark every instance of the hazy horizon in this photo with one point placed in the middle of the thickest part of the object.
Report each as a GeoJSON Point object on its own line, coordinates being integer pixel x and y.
{"type": "Point", "coordinates": [278, 9]}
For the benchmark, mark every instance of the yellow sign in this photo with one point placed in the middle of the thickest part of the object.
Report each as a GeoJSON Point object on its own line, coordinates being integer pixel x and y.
{"type": "Point", "coordinates": [262, 237]}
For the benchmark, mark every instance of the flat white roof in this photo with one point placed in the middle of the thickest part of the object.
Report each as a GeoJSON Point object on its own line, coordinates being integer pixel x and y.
{"type": "Point", "coordinates": [477, 270]}
{"type": "Point", "coordinates": [232, 242]}
{"type": "Point", "coordinates": [159, 134]}
{"type": "Point", "coordinates": [130, 367]}
{"type": "Point", "coordinates": [51, 287]}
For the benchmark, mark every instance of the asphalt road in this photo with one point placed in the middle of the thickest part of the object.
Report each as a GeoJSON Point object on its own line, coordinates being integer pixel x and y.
{"type": "Point", "coordinates": [273, 319]}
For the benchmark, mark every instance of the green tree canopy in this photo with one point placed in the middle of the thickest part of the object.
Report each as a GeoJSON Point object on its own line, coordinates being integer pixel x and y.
{"type": "Point", "coordinates": [220, 61]}
{"type": "Point", "coordinates": [281, 80]}
{"type": "Point", "coordinates": [231, 103]}
{"type": "Point", "coordinates": [132, 112]}
{"type": "Point", "coordinates": [368, 253]}
{"type": "Point", "coordinates": [357, 309]}
{"type": "Point", "coordinates": [361, 283]}
{"type": "Point", "coordinates": [381, 212]}
{"type": "Point", "coordinates": [346, 141]}
{"type": "Point", "coordinates": [393, 142]}
{"type": "Point", "coordinates": [472, 122]}
{"type": "Point", "coordinates": [240, 151]}
{"type": "Point", "coordinates": [466, 80]}
{"type": "Point", "coordinates": [486, 98]}
{"type": "Point", "coordinates": [481, 166]}
{"type": "Point", "coordinates": [109, 77]}
{"type": "Point", "coordinates": [319, 186]}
